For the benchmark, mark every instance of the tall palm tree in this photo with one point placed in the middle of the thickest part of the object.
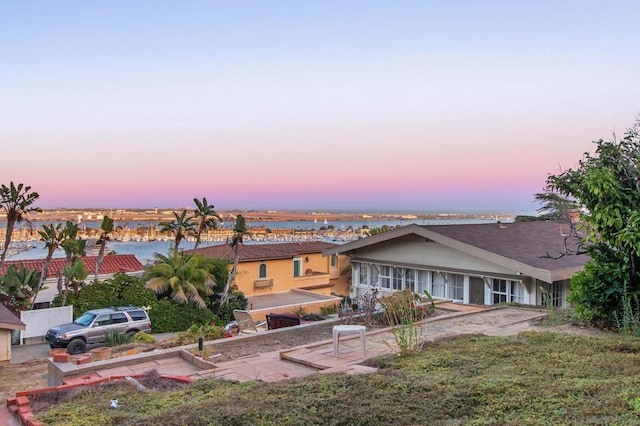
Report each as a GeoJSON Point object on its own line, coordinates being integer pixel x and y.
{"type": "Point", "coordinates": [107, 228]}
{"type": "Point", "coordinates": [16, 201]}
{"type": "Point", "coordinates": [74, 247]}
{"type": "Point", "coordinates": [18, 287]}
{"type": "Point", "coordinates": [206, 217]}
{"type": "Point", "coordinates": [184, 277]}
{"type": "Point", "coordinates": [75, 274]}
{"type": "Point", "coordinates": [51, 236]}
{"type": "Point", "coordinates": [180, 227]}
{"type": "Point", "coordinates": [239, 232]}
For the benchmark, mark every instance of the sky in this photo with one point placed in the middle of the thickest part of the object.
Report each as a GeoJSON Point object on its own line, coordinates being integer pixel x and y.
{"type": "Point", "coordinates": [276, 105]}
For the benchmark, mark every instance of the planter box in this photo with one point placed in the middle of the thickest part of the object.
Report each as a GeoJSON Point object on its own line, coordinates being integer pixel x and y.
{"type": "Point", "coordinates": [98, 354]}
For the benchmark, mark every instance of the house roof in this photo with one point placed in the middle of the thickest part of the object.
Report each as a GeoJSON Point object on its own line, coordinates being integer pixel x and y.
{"type": "Point", "coordinates": [8, 320]}
{"type": "Point", "coordinates": [259, 252]}
{"type": "Point", "coordinates": [531, 248]}
{"type": "Point", "coordinates": [111, 264]}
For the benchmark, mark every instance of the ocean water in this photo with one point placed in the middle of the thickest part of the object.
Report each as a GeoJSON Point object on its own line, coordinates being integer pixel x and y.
{"type": "Point", "coordinates": [145, 250]}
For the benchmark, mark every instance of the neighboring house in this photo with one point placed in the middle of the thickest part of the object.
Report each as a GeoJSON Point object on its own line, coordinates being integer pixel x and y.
{"type": "Point", "coordinates": [8, 323]}
{"type": "Point", "coordinates": [482, 264]}
{"type": "Point", "coordinates": [111, 265]}
{"type": "Point", "coordinates": [280, 267]}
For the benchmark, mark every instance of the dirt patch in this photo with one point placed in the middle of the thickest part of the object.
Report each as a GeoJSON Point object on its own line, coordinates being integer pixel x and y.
{"type": "Point", "coordinates": [31, 374]}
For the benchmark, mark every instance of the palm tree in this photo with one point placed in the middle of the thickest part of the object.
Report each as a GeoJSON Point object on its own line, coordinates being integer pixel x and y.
{"type": "Point", "coordinates": [207, 218]}
{"type": "Point", "coordinates": [18, 287]}
{"type": "Point", "coordinates": [184, 277]}
{"type": "Point", "coordinates": [239, 232]}
{"type": "Point", "coordinates": [180, 227]}
{"type": "Point", "coordinates": [73, 247]}
{"type": "Point", "coordinates": [74, 274]}
{"type": "Point", "coordinates": [16, 201]}
{"type": "Point", "coordinates": [52, 236]}
{"type": "Point", "coordinates": [107, 228]}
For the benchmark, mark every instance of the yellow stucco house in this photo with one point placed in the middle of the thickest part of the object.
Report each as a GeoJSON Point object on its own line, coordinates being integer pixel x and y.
{"type": "Point", "coordinates": [283, 277]}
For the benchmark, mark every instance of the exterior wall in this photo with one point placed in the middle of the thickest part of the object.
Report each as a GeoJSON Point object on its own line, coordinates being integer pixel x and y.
{"type": "Point", "coordinates": [315, 270]}
{"type": "Point", "coordinates": [429, 253]}
{"type": "Point", "coordinates": [5, 344]}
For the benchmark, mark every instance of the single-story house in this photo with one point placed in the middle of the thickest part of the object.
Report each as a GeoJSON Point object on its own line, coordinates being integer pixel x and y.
{"type": "Point", "coordinates": [8, 323]}
{"type": "Point", "coordinates": [111, 265]}
{"type": "Point", "coordinates": [529, 263]}
{"type": "Point", "coordinates": [284, 275]}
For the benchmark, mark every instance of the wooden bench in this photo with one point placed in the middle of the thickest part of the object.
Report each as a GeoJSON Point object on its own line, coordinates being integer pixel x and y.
{"type": "Point", "coordinates": [275, 321]}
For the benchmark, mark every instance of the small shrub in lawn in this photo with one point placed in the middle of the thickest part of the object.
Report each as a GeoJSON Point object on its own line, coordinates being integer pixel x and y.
{"type": "Point", "coordinates": [328, 310]}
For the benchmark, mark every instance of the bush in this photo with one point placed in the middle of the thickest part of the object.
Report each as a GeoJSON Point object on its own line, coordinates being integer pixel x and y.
{"type": "Point", "coordinates": [113, 338]}
{"type": "Point", "coordinates": [328, 310]}
{"type": "Point", "coordinates": [169, 316]}
{"type": "Point", "coordinates": [142, 337]}
{"type": "Point", "coordinates": [236, 301]}
{"type": "Point", "coordinates": [120, 290]}
{"type": "Point", "coordinates": [207, 332]}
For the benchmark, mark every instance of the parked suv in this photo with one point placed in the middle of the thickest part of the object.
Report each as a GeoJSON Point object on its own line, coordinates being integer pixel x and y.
{"type": "Point", "coordinates": [89, 328]}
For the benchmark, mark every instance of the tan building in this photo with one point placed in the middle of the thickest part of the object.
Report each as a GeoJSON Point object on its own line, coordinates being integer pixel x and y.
{"type": "Point", "coordinates": [281, 277]}
{"type": "Point", "coordinates": [8, 323]}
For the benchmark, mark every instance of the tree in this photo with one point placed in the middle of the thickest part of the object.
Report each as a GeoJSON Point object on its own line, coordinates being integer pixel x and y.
{"type": "Point", "coordinates": [107, 228]}
{"type": "Point", "coordinates": [180, 227]}
{"type": "Point", "coordinates": [606, 184]}
{"type": "Point", "coordinates": [75, 274]}
{"type": "Point", "coordinates": [239, 232]}
{"type": "Point", "coordinates": [206, 217]}
{"type": "Point", "coordinates": [74, 247]}
{"type": "Point", "coordinates": [16, 201]}
{"type": "Point", "coordinates": [182, 277]}
{"type": "Point", "coordinates": [52, 236]}
{"type": "Point", "coordinates": [18, 288]}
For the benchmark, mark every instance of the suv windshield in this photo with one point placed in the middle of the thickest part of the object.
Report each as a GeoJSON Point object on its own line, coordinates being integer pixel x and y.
{"type": "Point", "coordinates": [85, 319]}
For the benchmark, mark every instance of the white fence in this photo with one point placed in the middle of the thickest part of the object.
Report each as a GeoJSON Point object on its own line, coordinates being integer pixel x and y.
{"type": "Point", "coordinates": [40, 320]}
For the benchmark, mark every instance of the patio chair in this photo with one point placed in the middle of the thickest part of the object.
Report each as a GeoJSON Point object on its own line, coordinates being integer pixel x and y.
{"type": "Point", "coordinates": [246, 325]}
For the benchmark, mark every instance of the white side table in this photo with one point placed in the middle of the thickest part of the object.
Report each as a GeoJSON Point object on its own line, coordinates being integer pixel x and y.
{"type": "Point", "coordinates": [349, 329]}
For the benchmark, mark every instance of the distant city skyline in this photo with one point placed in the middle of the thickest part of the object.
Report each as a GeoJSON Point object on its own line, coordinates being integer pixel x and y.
{"type": "Point", "coordinates": [395, 106]}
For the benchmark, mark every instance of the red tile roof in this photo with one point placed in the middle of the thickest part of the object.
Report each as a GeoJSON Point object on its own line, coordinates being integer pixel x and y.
{"type": "Point", "coordinates": [111, 264]}
{"type": "Point", "coordinates": [258, 252]}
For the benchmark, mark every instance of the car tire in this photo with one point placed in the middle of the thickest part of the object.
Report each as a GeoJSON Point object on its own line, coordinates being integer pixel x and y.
{"type": "Point", "coordinates": [76, 347]}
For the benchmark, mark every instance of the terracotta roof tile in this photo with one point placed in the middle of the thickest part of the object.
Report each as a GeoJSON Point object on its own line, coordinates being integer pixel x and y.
{"type": "Point", "coordinates": [111, 264]}
{"type": "Point", "coordinates": [257, 252]}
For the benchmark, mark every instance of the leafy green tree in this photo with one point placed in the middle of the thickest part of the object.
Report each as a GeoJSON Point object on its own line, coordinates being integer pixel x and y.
{"type": "Point", "coordinates": [52, 236]}
{"type": "Point", "coordinates": [74, 247]}
{"type": "Point", "coordinates": [182, 277]}
{"type": "Point", "coordinates": [181, 227]}
{"type": "Point", "coordinates": [106, 228]}
{"type": "Point", "coordinates": [18, 287]}
{"type": "Point", "coordinates": [206, 217]}
{"type": "Point", "coordinates": [17, 202]}
{"type": "Point", "coordinates": [74, 274]}
{"type": "Point", "coordinates": [606, 184]}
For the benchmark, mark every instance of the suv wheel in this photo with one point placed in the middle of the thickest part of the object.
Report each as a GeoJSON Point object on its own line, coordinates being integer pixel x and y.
{"type": "Point", "coordinates": [76, 347]}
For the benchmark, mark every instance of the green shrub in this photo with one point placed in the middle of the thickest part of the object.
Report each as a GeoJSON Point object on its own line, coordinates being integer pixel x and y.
{"type": "Point", "coordinates": [142, 337]}
{"type": "Point", "coordinates": [236, 301]}
{"type": "Point", "coordinates": [402, 310]}
{"type": "Point", "coordinates": [169, 316]}
{"type": "Point", "coordinates": [207, 332]}
{"type": "Point", "coordinates": [328, 310]}
{"type": "Point", "coordinates": [113, 338]}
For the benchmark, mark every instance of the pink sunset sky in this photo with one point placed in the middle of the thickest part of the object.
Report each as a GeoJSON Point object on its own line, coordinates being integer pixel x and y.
{"type": "Point", "coordinates": [415, 106]}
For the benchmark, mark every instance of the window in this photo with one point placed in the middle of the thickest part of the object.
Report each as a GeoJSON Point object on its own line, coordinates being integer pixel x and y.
{"type": "Point", "coordinates": [551, 293]}
{"type": "Point", "coordinates": [138, 315]}
{"type": "Point", "coordinates": [410, 279]}
{"type": "Point", "coordinates": [456, 286]}
{"type": "Point", "coordinates": [118, 318]}
{"type": "Point", "coordinates": [375, 275]}
{"type": "Point", "coordinates": [397, 278]}
{"type": "Point", "coordinates": [102, 320]}
{"type": "Point", "coordinates": [334, 260]}
{"type": "Point", "coordinates": [437, 284]}
{"type": "Point", "coordinates": [363, 274]}
{"type": "Point", "coordinates": [262, 271]}
{"type": "Point", "coordinates": [297, 266]}
{"type": "Point", "coordinates": [385, 276]}
{"type": "Point", "coordinates": [423, 282]}
{"type": "Point", "coordinates": [504, 291]}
